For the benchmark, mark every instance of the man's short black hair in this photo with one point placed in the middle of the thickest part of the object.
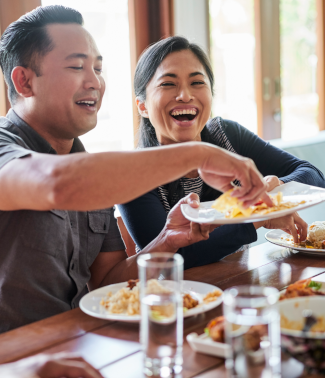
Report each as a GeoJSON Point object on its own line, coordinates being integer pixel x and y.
{"type": "Point", "coordinates": [26, 40]}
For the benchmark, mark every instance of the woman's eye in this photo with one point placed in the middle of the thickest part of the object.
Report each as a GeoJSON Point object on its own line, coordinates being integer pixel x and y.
{"type": "Point", "coordinates": [197, 82]}
{"type": "Point", "coordinates": [76, 68]}
{"type": "Point", "coordinates": [99, 70]}
{"type": "Point", "coordinates": [166, 84]}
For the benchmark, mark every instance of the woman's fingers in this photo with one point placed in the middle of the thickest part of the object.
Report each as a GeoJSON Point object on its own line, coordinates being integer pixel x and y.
{"type": "Point", "coordinates": [292, 224]}
{"type": "Point", "coordinates": [205, 230]}
{"type": "Point", "coordinates": [193, 200]}
{"type": "Point", "coordinates": [302, 226]}
{"type": "Point", "coordinates": [293, 231]}
{"type": "Point", "coordinates": [272, 182]}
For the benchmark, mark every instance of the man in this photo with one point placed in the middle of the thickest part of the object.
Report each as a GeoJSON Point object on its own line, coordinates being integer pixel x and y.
{"type": "Point", "coordinates": [57, 229]}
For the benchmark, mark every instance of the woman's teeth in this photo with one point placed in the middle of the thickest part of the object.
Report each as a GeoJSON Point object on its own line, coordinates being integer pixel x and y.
{"type": "Point", "coordinates": [184, 111]}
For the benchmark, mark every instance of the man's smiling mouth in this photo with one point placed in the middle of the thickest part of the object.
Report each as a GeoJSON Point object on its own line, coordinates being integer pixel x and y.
{"type": "Point", "coordinates": [86, 103]}
{"type": "Point", "coordinates": [184, 115]}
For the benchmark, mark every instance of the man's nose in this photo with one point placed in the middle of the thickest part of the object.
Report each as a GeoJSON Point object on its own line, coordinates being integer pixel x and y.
{"type": "Point", "coordinates": [92, 80]}
{"type": "Point", "coordinates": [184, 94]}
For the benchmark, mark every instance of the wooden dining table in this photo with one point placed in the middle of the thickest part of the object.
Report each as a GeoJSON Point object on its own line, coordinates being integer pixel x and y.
{"type": "Point", "coordinates": [113, 347]}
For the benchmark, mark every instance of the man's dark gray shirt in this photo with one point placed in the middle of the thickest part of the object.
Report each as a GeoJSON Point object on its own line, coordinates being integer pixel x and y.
{"type": "Point", "coordinates": [45, 256]}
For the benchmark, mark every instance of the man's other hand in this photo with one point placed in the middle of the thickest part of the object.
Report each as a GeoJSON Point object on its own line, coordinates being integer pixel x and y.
{"type": "Point", "coordinates": [50, 366]}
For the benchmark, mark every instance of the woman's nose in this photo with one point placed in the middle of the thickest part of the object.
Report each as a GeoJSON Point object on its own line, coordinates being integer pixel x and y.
{"type": "Point", "coordinates": [184, 95]}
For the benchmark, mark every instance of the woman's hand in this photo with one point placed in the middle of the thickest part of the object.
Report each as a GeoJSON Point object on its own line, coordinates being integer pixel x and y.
{"type": "Point", "coordinates": [272, 182]}
{"type": "Point", "coordinates": [50, 366]}
{"type": "Point", "coordinates": [180, 232]}
{"type": "Point", "coordinates": [292, 224]}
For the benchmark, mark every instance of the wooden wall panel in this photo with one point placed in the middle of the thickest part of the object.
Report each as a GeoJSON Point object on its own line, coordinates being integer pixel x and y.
{"type": "Point", "coordinates": [268, 91]}
{"type": "Point", "coordinates": [10, 11]}
{"type": "Point", "coordinates": [321, 62]}
{"type": "Point", "coordinates": [149, 21]}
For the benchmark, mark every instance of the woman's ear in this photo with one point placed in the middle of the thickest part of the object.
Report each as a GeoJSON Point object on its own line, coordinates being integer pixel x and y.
{"type": "Point", "coordinates": [142, 108]}
{"type": "Point", "coordinates": [21, 78]}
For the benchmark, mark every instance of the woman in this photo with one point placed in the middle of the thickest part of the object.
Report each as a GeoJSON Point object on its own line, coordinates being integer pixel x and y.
{"type": "Point", "coordinates": [174, 87]}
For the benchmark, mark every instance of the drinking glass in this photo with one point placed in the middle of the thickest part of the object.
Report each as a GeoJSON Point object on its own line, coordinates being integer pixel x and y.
{"type": "Point", "coordinates": [161, 327]}
{"type": "Point", "coordinates": [252, 326]}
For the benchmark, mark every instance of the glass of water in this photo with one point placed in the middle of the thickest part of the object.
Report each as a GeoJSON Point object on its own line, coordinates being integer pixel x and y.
{"type": "Point", "coordinates": [252, 326]}
{"type": "Point", "coordinates": [161, 328]}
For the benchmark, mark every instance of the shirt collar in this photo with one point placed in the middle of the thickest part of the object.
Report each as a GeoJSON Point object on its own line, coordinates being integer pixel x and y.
{"type": "Point", "coordinates": [34, 140]}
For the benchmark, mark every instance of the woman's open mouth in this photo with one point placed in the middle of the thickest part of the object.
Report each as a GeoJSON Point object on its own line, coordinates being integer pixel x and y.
{"type": "Point", "coordinates": [184, 115]}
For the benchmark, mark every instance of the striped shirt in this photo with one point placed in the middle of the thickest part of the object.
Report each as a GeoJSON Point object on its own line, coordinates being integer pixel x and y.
{"type": "Point", "coordinates": [195, 185]}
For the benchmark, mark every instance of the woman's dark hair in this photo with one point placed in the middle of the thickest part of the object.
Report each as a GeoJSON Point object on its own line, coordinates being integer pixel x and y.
{"type": "Point", "coordinates": [25, 41]}
{"type": "Point", "coordinates": [147, 66]}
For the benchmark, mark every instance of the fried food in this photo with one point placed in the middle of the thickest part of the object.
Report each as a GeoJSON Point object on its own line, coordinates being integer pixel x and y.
{"type": "Point", "coordinates": [233, 208]}
{"type": "Point", "coordinates": [216, 329]}
{"type": "Point", "coordinates": [254, 336]}
{"type": "Point", "coordinates": [302, 288]}
{"type": "Point", "coordinates": [189, 302]}
{"type": "Point", "coordinates": [132, 283]}
{"type": "Point", "coordinates": [212, 296]}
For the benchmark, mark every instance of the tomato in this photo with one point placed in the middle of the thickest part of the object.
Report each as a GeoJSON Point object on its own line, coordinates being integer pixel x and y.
{"type": "Point", "coordinates": [259, 202]}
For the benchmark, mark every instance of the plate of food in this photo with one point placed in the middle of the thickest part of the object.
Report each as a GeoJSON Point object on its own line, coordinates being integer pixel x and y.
{"type": "Point", "coordinates": [314, 244]}
{"type": "Point", "coordinates": [121, 301]}
{"type": "Point", "coordinates": [303, 324]}
{"type": "Point", "coordinates": [287, 199]}
{"type": "Point", "coordinates": [212, 341]}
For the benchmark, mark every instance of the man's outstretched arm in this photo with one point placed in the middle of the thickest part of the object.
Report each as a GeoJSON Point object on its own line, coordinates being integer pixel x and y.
{"type": "Point", "coordinates": [84, 181]}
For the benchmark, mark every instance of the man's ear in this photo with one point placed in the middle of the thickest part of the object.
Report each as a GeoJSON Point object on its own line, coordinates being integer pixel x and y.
{"type": "Point", "coordinates": [142, 108]}
{"type": "Point", "coordinates": [21, 78]}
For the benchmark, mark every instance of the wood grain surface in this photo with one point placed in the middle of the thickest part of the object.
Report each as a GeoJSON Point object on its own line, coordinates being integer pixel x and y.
{"type": "Point", "coordinates": [113, 347]}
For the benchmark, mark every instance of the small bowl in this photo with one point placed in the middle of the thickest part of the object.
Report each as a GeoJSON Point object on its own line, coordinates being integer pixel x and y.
{"type": "Point", "coordinates": [306, 347]}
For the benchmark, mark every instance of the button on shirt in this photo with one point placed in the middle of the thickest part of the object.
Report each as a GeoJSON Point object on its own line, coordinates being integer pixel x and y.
{"type": "Point", "coordinates": [45, 256]}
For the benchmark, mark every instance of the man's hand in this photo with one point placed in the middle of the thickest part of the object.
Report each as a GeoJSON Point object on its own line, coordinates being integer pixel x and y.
{"type": "Point", "coordinates": [292, 224]}
{"type": "Point", "coordinates": [180, 232]}
{"type": "Point", "coordinates": [220, 170]}
{"type": "Point", "coordinates": [50, 366]}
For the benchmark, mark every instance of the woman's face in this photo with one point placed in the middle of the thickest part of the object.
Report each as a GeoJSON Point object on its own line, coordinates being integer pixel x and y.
{"type": "Point", "coordinates": [179, 99]}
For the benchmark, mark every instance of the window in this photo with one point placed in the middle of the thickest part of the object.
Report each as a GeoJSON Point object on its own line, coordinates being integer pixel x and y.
{"type": "Point", "coordinates": [299, 101]}
{"type": "Point", "coordinates": [107, 21]}
{"type": "Point", "coordinates": [232, 55]}
{"type": "Point", "coordinates": [265, 63]}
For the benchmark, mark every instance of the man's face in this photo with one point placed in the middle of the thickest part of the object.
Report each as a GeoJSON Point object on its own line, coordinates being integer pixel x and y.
{"type": "Point", "coordinates": [69, 92]}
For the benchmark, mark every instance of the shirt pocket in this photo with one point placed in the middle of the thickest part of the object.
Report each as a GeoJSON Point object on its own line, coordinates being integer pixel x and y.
{"type": "Point", "coordinates": [98, 222]}
{"type": "Point", "coordinates": [45, 231]}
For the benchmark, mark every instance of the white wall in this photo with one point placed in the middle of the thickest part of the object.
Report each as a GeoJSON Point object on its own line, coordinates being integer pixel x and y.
{"type": "Point", "coordinates": [191, 20]}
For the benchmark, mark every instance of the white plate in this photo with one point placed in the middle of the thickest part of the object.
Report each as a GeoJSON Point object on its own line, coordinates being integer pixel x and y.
{"type": "Point", "coordinates": [90, 303]}
{"type": "Point", "coordinates": [293, 191]}
{"type": "Point", "coordinates": [279, 237]}
{"type": "Point", "coordinates": [292, 309]}
{"type": "Point", "coordinates": [204, 344]}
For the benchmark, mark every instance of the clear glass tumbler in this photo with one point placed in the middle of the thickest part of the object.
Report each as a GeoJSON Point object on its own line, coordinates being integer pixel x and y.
{"type": "Point", "coordinates": [252, 326]}
{"type": "Point", "coordinates": [161, 328]}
